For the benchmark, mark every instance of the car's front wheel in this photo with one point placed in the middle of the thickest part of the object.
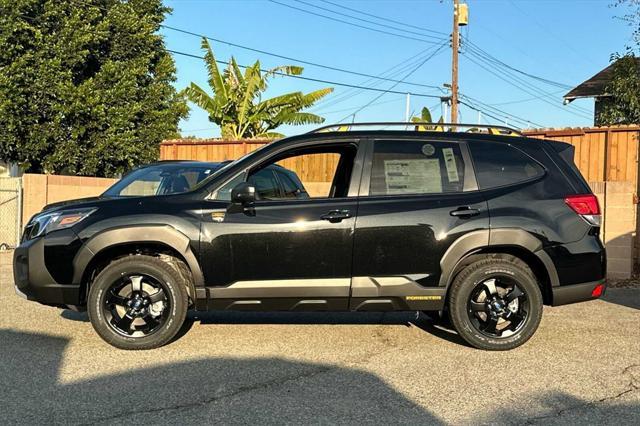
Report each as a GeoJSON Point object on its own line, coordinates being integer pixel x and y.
{"type": "Point", "coordinates": [495, 303]}
{"type": "Point", "coordinates": [138, 302]}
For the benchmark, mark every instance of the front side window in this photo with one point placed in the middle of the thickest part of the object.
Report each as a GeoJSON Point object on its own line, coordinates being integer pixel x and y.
{"type": "Point", "coordinates": [312, 172]}
{"type": "Point", "coordinates": [266, 184]}
{"type": "Point", "coordinates": [500, 164]}
{"type": "Point", "coordinates": [416, 167]}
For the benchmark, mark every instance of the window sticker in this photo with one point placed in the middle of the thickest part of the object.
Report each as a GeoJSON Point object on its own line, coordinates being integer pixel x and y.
{"type": "Point", "coordinates": [450, 164]}
{"type": "Point", "coordinates": [428, 149]}
{"type": "Point", "coordinates": [414, 176]}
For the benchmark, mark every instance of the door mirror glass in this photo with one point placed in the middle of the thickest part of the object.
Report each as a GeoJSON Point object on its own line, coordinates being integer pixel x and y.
{"type": "Point", "coordinates": [244, 193]}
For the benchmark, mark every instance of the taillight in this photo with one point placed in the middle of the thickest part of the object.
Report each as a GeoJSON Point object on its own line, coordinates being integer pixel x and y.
{"type": "Point", "coordinates": [586, 206]}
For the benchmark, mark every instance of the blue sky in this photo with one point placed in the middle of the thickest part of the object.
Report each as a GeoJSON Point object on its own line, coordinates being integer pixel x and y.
{"type": "Point", "coordinates": [563, 41]}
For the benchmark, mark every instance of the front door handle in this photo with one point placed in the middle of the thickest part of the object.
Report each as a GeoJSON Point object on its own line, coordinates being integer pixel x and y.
{"type": "Point", "coordinates": [464, 212]}
{"type": "Point", "coordinates": [335, 216]}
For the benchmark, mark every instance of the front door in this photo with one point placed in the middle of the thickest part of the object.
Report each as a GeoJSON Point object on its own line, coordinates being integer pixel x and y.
{"type": "Point", "coordinates": [293, 249]}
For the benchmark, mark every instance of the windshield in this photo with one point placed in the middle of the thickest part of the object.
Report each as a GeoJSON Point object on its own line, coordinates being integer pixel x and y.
{"type": "Point", "coordinates": [161, 179]}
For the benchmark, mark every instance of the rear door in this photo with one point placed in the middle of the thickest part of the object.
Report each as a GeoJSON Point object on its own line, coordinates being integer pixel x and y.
{"type": "Point", "coordinates": [417, 197]}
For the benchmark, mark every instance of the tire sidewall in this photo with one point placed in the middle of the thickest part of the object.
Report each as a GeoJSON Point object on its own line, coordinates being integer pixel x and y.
{"type": "Point", "coordinates": [137, 265]}
{"type": "Point", "coordinates": [466, 283]}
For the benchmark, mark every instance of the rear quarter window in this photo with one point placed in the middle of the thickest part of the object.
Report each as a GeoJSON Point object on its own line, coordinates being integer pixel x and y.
{"type": "Point", "coordinates": [500, 164]}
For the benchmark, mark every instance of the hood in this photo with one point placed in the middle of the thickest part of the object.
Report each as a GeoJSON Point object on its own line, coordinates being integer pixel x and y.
{"type": "Point", "coordinates": [78, 201]}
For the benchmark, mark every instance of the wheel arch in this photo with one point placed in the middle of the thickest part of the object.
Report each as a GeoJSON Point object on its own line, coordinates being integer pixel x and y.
{"type": "Point", "coordinates": [115, 243]}
{"type": "Point", "coordinates": [516, 242]}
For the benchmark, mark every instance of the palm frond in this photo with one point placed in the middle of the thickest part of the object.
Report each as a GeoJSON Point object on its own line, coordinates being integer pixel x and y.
{"type": "Point", "coordinates": [311, 98]}
{"type": "Point", "coordinates": [216, 80]}
{"type": "Point", "coordinates": [200, 97]}
{"type": "Point", "coordinates": [297, 118]}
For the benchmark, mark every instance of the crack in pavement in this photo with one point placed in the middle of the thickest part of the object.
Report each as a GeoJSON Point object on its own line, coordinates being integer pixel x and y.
{"type": "Point", "coordinates": [263, 385]}
{"type": "Point", "coordinates": [275, 382]}
{"type": "Point", "coordinates": [633, 386]}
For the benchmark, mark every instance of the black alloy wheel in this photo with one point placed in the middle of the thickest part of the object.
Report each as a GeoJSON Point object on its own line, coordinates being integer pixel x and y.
{"type": "Point", "coordinates": [498, 307]}
{"type": "Point", "coordinates": [139, 301]}
{"type": "Point", "coordinates": [136, 305]}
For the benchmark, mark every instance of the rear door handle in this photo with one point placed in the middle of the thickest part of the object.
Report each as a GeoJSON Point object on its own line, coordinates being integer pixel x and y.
{"type": "Point", "coordinates": [335, 216]}
{"type": "Point", "coordinates": [464, 212]}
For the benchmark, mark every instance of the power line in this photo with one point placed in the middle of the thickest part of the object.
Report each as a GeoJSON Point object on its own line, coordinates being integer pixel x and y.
{"type": "Point", "coordinates": [289, 58]}
{"type": "Point", "coordinates": [528, 88]}
{"type": "Point", "coordinates": [367, 21]}
{"type": "Point", "coordinates": [316, 80]}
{"type": "Point", "coordinates": [385, 19]}
{"type": "Point", "coordinates": [543, 95]}
{"type": "Point", "coordinates": [495, 72]}
{"type": "Point", "coordinates": [495, 110]}
{"type": "Point", "coordinates": [389, 90]}
{"type": "Point", "coordinates": [350, 93]}
{"type": "Point", "coordinates": [497, 61]}
{"type": "Point", "coordinates": [488, 114]}
{"type": "Point", "coordinates": [351, 23]}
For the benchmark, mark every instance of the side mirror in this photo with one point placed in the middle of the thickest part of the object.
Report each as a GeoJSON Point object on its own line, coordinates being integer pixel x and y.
{"type": "Point", "coordinates": [244, 194]}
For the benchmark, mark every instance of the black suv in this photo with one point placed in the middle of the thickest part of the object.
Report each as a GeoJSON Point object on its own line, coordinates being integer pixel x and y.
{"type": "Point", "coordinates": [482, 226]}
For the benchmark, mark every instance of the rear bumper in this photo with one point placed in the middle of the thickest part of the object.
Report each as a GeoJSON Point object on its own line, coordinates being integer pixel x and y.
{"type": "Point", "coordinates": [33, 281]}
{"type": "Point", "coordinates": [574, 293]}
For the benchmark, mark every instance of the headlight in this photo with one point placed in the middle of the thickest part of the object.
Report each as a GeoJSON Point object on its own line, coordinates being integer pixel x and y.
{"type": "Point", "coordinates": [47, 222]}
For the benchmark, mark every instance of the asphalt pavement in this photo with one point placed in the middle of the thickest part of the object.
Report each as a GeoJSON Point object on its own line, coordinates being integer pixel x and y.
{"type": "Point", "coordinates": [582, 366]}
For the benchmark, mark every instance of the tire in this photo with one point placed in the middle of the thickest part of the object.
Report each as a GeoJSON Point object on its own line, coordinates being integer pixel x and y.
{"type": "Point", "coordinates": [138, 302]}
{"type": "Point", "coordinates": [482, 299]}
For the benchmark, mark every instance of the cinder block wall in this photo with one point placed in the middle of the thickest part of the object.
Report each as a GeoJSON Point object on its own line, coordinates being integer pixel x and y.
{"type": "Point", "coordinates": [40, 190]}
{"type": "Point", "coordinates": [618, 232]}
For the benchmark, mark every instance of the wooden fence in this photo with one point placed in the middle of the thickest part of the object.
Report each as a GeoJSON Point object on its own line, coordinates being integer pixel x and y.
{"type": "Point", "coordinates": [602, 153]}
{"type": "Point", "coordinates": [314, 170]}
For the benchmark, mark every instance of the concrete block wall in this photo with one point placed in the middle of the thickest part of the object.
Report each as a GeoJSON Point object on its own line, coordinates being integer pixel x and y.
{"type": "Point", "coordinates": [619, 227]}
{"type": "Point", "coordinates": [40, 190]}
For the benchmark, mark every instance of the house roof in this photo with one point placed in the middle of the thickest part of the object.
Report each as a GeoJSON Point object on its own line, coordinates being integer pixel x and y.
{"type": "Point", "coordinates": [595, 86]}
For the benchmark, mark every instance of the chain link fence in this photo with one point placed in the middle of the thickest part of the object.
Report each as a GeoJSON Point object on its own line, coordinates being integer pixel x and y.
{"type": "Point", "coordinates": [10, 212]}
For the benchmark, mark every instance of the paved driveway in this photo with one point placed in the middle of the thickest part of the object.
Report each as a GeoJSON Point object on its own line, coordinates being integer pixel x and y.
{"type": "Point", "coordinates": [583, 365]}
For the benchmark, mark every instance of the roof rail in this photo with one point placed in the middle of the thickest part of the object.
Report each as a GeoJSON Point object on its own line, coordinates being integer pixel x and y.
{"type": "Point", "coordinates": [423, 127]}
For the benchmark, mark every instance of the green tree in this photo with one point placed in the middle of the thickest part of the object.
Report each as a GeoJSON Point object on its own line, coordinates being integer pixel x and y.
{"type": "Point", "coordinates": [623, 104]}
{"type": "Point", "coordinates": [85, 85]}
{"type": "Point", "coordinates": [237, 106]}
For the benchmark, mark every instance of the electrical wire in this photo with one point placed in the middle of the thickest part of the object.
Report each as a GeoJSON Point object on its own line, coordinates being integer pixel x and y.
{"type": "Point", "coordinates": [385, 19]}
{"type": "Point", "coordinates": [316, 80]}
{"type": "Point", "coordinates": [389, 90]}
{"type": "Point", "coordinates": [399, 68]}
{"type": "Point", "coordinates": [519, 86]}
{"type": "Point", "coordinates": [351, 23]}
{"type": "Point", "coordinates": [368, 21]}
{"type": "Point", "coordinates": [289, 58]}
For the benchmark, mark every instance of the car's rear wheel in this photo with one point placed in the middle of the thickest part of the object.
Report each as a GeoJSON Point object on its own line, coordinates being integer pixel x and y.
{"type": "Point", "coordinates": [138, 302]}
{"type": "Point", "coordinates": [495, 303]}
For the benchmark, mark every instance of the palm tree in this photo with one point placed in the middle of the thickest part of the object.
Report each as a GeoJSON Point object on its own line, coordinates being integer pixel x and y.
{"type": "Point", "coordinates": [237, 106]}
{"type": "Point", "coordinates": [425, 117]}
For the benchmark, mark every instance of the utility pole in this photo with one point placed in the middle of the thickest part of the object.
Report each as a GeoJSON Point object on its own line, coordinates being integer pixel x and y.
{"type": "Point", "coordinates": [455, 42]}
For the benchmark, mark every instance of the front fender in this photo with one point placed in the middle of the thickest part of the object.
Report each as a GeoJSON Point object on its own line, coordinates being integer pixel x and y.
{"type": "Point", "coordinates": [161, 234]}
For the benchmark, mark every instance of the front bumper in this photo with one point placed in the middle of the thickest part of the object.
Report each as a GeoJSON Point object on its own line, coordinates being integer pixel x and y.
{"type": "Point", "coordinates": [33, 281]}
{"type": "Point", "coordinates": [574, 293]}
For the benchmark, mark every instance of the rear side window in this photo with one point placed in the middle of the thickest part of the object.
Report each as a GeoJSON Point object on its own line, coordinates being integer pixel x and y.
{"type": "Point", "coordinates": [500, 164]}
{"type": "Point", "coordinates": [416, 167]}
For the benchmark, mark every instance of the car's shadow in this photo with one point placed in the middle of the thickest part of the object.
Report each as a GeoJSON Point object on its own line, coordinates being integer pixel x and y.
{"type": "Point", "coordinates": [440, 329]}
